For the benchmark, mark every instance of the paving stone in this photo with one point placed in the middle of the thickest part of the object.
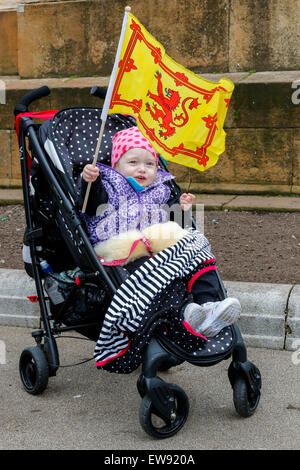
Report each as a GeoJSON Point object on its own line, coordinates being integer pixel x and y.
{"type": "Point", "coordinates": [264, 203]}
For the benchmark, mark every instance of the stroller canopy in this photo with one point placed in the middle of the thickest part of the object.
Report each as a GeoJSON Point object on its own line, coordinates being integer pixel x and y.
{"type": "Point", "coordinates": [70, 139]}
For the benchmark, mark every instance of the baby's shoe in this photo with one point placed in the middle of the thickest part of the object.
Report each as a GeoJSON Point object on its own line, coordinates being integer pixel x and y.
{"type": "Point", "coordinates": [211, 317]}
{"type": "Point", "coordinates": [194, 315]}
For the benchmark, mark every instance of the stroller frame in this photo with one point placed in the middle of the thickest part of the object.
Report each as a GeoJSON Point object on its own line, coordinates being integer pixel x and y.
{"type": "Point", "coordinates": [166, 401]}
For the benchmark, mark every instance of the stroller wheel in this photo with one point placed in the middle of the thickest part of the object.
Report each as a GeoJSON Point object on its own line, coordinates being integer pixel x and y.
{"type": "Point", "coordinates": [245, 401]}
{"type": "Point", "coordinates": [157, 425]}
{"type": "Point", "coordinates": [34, 370]}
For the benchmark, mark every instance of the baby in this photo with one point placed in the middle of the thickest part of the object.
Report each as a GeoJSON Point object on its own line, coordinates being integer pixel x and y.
{"type": "Point", "coordinates": [136, 163]}
{"type": "Point", "coordinates": [134, 174]}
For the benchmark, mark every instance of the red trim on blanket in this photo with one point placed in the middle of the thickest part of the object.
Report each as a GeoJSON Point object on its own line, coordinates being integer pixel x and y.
{"type": "Point", "coordinates": [102, 363]}
{"type": "Point", "coordinates": [190, 329]}
{"type": "Point", "coordinates": [198, 274]}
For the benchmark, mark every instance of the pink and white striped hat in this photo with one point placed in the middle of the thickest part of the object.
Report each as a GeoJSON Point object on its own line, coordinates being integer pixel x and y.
{"type": "Point", "coordinates": [127, 139]}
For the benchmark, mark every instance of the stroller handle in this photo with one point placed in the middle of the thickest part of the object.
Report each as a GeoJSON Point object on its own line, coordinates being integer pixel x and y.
{"type": "Point", "coordinates": [26, 100]}
{"type": "Point", "coordinates": [99, 91]}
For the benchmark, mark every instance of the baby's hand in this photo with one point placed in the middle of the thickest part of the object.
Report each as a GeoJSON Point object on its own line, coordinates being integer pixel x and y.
{"type": "Point", "coordinates": [186, 201]}
{"type": "Point", "coordinates": [90, 173]}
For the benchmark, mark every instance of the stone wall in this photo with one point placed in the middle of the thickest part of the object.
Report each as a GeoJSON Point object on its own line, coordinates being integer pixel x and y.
{"type": "Point", "coordinates": [255, 43]}
{"type": "Point", "coordinates": [263, 132]}
{"type": "Point", "coordinates": [63, 38]}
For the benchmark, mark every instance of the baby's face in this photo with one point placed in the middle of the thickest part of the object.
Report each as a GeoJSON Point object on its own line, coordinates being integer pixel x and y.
{"type": "Point", "coordinates": [138, 163]}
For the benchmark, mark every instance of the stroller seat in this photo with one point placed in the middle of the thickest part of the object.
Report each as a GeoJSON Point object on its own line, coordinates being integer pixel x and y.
{"type": "Point", "coordinates": [55, 232]}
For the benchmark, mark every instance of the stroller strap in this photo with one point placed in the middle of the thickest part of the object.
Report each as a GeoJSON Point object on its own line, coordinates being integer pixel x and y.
{"type": "Point", "coordinates": [133, 246]}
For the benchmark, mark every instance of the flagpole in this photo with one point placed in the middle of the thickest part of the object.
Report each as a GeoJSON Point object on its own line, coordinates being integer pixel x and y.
{"type": "Point", "coordinates": [107, 100]}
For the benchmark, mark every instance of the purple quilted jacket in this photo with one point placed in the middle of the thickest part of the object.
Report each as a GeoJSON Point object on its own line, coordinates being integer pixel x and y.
{"type": "Point", "coordinates": [127, 209]}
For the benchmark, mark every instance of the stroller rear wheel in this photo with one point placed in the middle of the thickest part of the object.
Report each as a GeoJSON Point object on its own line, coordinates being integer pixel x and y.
{"type": "Point", "coordinates": [34, 370]}
{"type": "Point", "coordinates": [159, 426]}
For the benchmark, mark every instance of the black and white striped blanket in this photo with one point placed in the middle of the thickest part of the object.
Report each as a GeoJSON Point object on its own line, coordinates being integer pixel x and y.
{"type": "Point", "coordinates": [130, 304]}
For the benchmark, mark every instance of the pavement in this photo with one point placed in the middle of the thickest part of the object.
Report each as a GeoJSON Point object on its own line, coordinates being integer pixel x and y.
{"type": "Point", "coordinates": [86, 409]}
{"type": "Point", "coordinates": [83, 408]}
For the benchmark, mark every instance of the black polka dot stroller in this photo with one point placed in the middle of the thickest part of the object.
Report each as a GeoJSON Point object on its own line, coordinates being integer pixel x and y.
{"type": "Point", "coordinates": [75, 290]}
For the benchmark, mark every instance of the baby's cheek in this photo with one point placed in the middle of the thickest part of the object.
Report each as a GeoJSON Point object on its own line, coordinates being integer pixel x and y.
{"type": "Point", "coordinates": [153, 176]}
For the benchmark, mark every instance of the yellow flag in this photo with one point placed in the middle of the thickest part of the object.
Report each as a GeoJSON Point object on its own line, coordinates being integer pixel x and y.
{"type": "Point", "coordinates": [180, 113]}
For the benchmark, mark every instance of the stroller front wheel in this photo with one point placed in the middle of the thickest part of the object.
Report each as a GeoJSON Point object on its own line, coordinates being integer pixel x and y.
{"type": "Point", "coordinates": [34, 370]}
{"type": "Point", "coordinates": [245, 401]}
{"type": "Point", "coordinates": [159, 426]}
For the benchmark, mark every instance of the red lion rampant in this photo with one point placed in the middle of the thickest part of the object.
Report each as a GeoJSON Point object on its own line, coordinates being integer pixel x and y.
{"type": "Point", "coordinates": [168, 104]}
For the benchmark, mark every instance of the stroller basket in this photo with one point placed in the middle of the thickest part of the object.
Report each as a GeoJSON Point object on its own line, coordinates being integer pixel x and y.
{"type": "Point", "coordinates": [79, 290]}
